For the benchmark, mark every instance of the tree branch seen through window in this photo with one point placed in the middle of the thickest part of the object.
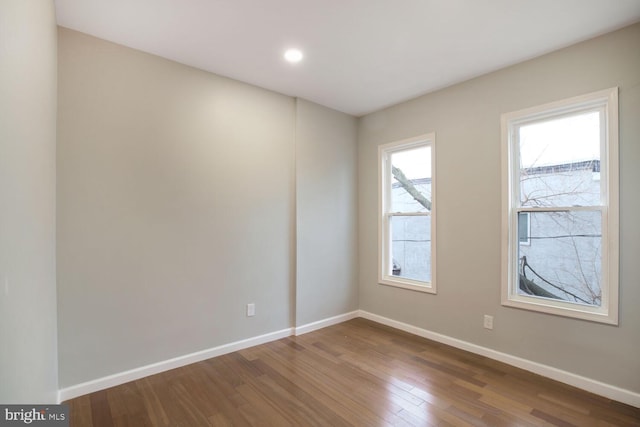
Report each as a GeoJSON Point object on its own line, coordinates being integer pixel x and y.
{"type": "Point", "coordinates": [410, 188]}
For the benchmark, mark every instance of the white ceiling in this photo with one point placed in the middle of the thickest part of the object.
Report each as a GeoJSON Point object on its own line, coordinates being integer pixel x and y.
{"type": "Point", "coordinates": [360, 55]}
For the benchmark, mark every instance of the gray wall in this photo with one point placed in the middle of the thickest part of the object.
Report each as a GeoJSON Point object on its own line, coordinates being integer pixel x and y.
{"type": "Point", "coordinates": [466, 119]}
{"type": "Point", "coordinates": [175, 209]}
{"type": "Point", "coordinates": [183, 196]}
{"type": "Point", "coordinates": [326, 213]}
{"type": "Point", "coordinates": [28, 354]}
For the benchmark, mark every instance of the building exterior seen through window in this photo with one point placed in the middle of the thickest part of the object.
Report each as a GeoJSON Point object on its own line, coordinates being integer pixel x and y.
{"type": "Point", "coordinates": [560, 251]}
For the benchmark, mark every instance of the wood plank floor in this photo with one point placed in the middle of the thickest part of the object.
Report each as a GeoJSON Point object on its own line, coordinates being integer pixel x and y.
{"type": "Point", "coordinates": [357, 373]}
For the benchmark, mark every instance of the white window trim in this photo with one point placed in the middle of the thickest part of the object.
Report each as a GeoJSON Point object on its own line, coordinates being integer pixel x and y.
{"type": "Point", "coordinates": [384, 245]}
{"type": "Point", "coordinates": [608, 311]}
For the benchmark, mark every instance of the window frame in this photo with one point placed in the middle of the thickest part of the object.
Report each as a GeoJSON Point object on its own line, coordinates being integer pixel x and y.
{"type": "Point", "coordinates": [385, 261]}
{"type": "Point", "coordinates": [607, 102]}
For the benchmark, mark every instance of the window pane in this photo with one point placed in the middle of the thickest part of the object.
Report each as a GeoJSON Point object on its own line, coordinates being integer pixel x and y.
{"type": "Point", "coordinates": [523, 227]}
{"type": "Point", "coordinates": [411, 180]}
{"type": "Point", "coordinates": [563, 257]}
{"type": "Point", "coordinates": [560, 161]}
{"type": "Point", "coordinates": [411, 247]}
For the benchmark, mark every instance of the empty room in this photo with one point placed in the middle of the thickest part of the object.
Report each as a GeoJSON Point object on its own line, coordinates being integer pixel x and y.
{"type": "Point", "coordinates": [331, 213]}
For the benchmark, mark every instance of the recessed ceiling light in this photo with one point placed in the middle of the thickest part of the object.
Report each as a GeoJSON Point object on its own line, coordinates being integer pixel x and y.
{"type": "Point", "coordinates": [293, 55]}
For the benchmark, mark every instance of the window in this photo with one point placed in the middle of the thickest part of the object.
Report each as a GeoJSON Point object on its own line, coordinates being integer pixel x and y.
{"type": "Point", "coordinates": [560, 209]}
{"type": "Point", "coordinates": [407, 214]}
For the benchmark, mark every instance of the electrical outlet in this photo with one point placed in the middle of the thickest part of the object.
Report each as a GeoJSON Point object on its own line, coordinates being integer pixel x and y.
{"type": "Point", "coordinates": [251, 309]}
{"type": "Point", "coordinates": [488, 321]}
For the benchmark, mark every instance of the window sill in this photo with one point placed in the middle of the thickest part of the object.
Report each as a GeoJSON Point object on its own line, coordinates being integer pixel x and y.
{"type": "Point", "coordinates": [413, 285]}
{"type": "Point", "coordinates": [576, 311]}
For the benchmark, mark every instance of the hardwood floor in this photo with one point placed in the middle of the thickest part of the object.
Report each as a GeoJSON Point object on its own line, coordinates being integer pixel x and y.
{"type": "Point", "coordinates": [356, 373]}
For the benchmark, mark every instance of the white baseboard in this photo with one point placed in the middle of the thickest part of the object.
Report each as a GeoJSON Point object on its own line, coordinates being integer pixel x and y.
{"type": "Point", "coordinates": [588, 384]}
{"type": "Point", "coordinates": [310, 327]}
{"type": "Point", "coordinates": [155, 368]}
{"type": "Point", "coordinates": [609, 391]}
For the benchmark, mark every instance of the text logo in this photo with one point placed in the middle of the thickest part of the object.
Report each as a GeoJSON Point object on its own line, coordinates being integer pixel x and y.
{"type": "Point", "coordinates": [36, 415]}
